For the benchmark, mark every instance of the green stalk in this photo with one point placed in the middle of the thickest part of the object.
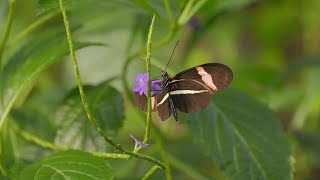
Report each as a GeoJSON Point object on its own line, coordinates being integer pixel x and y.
{"type": "Point", "coordinates": [38, 141]}
{"type": "Point", "coordinates": [148, 66]}
{"type": "Point", "coordinates": [150, 172]}
{"type": "Point", "coordinates": [48, 145]}
{"type": "Point", "coordinates": [168, 9]}
{"type": "Point", "coordinates": [7, 29]}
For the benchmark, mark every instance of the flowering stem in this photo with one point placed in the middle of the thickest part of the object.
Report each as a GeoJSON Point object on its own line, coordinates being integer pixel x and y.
{"type": "Point", "coordinates": [84, 101]}
{"type": "Point", "coordinates": [148, 66]}
{"type": "Point", "coordinates": [8, 27]}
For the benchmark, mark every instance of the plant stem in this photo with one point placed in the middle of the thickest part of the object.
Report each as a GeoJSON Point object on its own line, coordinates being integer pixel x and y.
{"type": "Point", "coordinates": [48, 145]}
{"type": "Point", "coordinates": [7, 29]}
{"type": "Point", "coordinates": [150, 172]}
{"type": "Point", "coordinates": [84, 101]}
{"type": "Point", "coordinates": [36, 140]}
{"type": "Point", "coordinates": [163, 156]}
{"type": "Point", "coordinates": [77, 74]}
{"type": "Point", "coordinates": [139, 53]}
{"type": "Point", "coordinates": [148, 66]}
{"type": "Point", "coordinates": [168, 9]}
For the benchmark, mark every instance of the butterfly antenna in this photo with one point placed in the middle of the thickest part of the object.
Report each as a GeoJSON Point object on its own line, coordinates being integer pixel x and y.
{"type": "Point", "coordinates": [171, 55]}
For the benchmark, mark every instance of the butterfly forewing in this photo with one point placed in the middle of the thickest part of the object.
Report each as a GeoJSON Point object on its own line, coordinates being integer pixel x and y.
{"type": "Point", "coordinates": [216, 76]}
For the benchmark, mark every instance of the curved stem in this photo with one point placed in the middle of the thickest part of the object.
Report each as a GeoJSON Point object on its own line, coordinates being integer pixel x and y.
{"type": "Point", "coordinates": [36, 140]}
{"type": "Point", "coordinates": [150, 172]}
{"type": "Point", "coordinates": [163, 156]}
{"type": "Point", "coordinates": [77, 74]}
{"type": "Point", "coordinates": [48, 145]}
{"type": "Point", "coordinates": [7, 29]}
{"type": "Point", "coordinates": [168, 9]}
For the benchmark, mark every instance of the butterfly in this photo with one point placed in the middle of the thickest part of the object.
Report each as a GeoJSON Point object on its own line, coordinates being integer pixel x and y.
{"type": "Point", "coordinates": [188, 91]}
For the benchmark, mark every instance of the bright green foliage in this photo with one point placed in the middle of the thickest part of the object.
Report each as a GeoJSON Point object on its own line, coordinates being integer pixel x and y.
{"type": "Point", "coordinates": [69, 165]}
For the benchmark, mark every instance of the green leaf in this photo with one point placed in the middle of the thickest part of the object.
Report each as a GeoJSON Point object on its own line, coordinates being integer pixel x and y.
{"type": "Point", "coordinates": [243, 136]}
{"type": "Point", "coordinates": [69, 165]}
{"type": "Point", "coordinates": [75, 129]}
{"type": "Point", "coordinates": [26, 64]}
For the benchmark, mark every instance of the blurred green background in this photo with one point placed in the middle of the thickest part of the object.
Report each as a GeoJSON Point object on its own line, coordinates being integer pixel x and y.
{"type": "Point", "coordinates": [272, 46]}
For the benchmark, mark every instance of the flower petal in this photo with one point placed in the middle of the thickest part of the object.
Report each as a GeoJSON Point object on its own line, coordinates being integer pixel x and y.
{"type": "Point", "coordinates": [141, 85]}
{"type": "Point", "coordinates": [138, 143]}
{"type": "Point", "coordinates": [156, 87]}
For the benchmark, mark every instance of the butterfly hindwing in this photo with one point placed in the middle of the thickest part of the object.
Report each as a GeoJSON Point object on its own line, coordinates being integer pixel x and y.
{"type": "Point", "coordinates": [163, 105]}
{"type": "Point", "coordinates": [141, 101]}
{"type": "Point", "coordinates": [190, 95]}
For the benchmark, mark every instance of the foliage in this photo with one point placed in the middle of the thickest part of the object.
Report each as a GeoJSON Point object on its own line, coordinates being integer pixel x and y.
{"type": "Point", "coordinates": [67, 117]}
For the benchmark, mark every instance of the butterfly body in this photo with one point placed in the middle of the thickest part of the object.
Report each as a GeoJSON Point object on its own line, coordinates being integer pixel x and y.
{"type": "Point", "coordinates": [188, 91]}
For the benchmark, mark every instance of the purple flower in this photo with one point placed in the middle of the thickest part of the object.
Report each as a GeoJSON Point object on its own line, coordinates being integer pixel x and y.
{"type": "Point", "coordinates": [141, 85]}
{"type": "Point", "coordinates": [156, 87]}
{"type": "Point", "coordinates": [138, 143]}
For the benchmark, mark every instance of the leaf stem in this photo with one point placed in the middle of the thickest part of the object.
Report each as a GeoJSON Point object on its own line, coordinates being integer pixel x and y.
{"type": "Point", "coordinates": [189, 10]}
{"type": "Point", "coordinates": [150, 172]}
{"type": "Point", "coordinates": [168, 9]}
{"type": "Point", "coordinates": [7, 29]}
{"type": "Point", "coordinates": [84, 101]}
{"type": "Point", "coordinates": [36, 140]}
{"type": "Point", "coordinates": [48, 145]}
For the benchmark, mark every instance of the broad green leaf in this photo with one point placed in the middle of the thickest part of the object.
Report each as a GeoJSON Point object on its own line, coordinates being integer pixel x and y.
{"type": "Point", "coordinates": [25, 65]}
{"type": "Point", "coordinates": [69, 165]}
{"type": "Point", "coordinates": [243, 136]}
{"type": "Point", "coordinates": [75, 129]}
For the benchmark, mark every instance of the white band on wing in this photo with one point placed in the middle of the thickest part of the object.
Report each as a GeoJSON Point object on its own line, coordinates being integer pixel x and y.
{"type": "Point", "coordinates": [180, 92]}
